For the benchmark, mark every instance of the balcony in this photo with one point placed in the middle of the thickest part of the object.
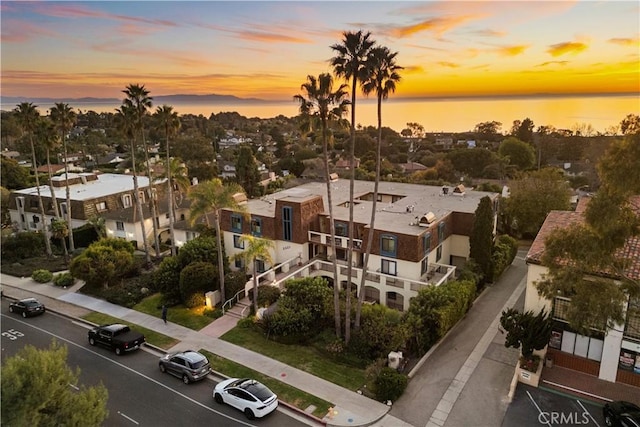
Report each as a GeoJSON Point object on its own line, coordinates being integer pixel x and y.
{"type": "Point", "coordinates": [341, 241]}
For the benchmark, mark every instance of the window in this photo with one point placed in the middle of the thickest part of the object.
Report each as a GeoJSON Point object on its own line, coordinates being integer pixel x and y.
{"type": "Point", "coordinates": [342, 229]}
{"type": "Point", "coordinates": [287, 225]}
{"type": "Point", "coordinates": [424, 266]}
{"type": "Point", "coordinates": [256, 226]}
{"type": "Point", "coordinates": [439, 253]}
{"type": "Point", "coordinates": [388, 245]}
{"type": "Point", "coordinates": [632, 327]}
{"type": "Point", "coordinates": [260, 266]}
{"type": "Point", "coordinates": [191, 235]}
{"type": "Point", "coordinates": [20, 202]}
{"type": "Point", "coordinates": [236, 223]}
{"type": "Point", "coordinates": [389, 267]}
{"type": "Point", "coordinates": [126, 200]}
{"type": "Point", "coordinates": [238, 242]}
{"type": "Point", "coordinates": [141, 196]}
{"type": "Point", "coordinates": [426, 243]}
{"type": "Point", "coordinates": [154, 194]}
{"type": "Point", "coordinates": [441, 232]}
{"type": "Point", "coordinates": [239, 263]}
{"type": "Point", "coordinates": [63, 209]}
{"type": "Point", "coordinates": [119, 225]}
{"type": "Point", "coordinates": [33, 203]}
{"type": "Point", "coordinates": [341, 254]}
{"type": "Point", "coordinates": [101, 206]}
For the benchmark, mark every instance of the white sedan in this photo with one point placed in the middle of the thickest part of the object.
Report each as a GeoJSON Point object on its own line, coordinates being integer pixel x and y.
{"type": "Point", "coordinates": [249, 396]}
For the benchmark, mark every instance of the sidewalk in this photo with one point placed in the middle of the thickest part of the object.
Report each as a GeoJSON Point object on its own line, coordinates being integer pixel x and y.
{"type": "Point", "coordinates": [350, 408]}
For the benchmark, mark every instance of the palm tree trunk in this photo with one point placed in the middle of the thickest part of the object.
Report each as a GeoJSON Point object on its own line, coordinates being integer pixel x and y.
{"type": "Point", "coordinates": [54, 201]}
{"type": "Point", "coordinates": [170, 195]}
{"type": "Point", "coordinates": [255, 286]}
{"type": "Point", "coordinates": [347, 306]}
{"type": "Point", "coordinates": [332, 232]}
{"type": "Point", "coordinates": [154, 205]}
{"type": "Point", "coordinates": [136, 190]}
{"type": "Point", "coordinates": [72, 246]}
{"type": "Point", "coordinates": [220, 257]}
{"type": "Point", "coordinates": [45, 229]}
{"type": "Point", "coordinates": [373, 219]}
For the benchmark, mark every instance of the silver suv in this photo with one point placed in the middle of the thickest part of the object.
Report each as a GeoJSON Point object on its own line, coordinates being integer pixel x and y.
{"type": "Point", "coordinates": [188, 365]}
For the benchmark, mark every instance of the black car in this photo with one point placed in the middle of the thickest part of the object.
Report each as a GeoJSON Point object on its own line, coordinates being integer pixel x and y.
{"type": "Point", "coordinates": [621, 414]}
{"type": "Point", "coordinates": [27, 307]}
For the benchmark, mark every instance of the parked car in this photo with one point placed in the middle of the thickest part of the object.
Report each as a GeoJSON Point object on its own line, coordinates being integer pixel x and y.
{"type": "Point", "coordinates": [620, 413]}
{"type": "Point", "coordinates": [27, 307]}
{"type": "Point", "coordinates": [117, 337]}
{"type": "Point", "coordinates": [189, 365]}
{"type": "Point", "coordinates": [250, 396]}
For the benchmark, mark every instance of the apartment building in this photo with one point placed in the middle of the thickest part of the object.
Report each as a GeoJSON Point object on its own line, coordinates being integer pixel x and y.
{"type": "Point", "coordinates": [421, 235]}
{"type": "Point", "coordinates": [612, 355]}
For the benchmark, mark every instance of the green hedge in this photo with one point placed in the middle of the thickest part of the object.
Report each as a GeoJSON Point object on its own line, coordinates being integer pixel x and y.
{"type": "Point", "coordinates": [504, 252]}
{"type": "Point", "coordinates": [460, 295]}
{"type": "Point", "coordinates": [42, 276]}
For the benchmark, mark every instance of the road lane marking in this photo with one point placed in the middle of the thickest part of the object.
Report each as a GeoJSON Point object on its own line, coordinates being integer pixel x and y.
{"type": "Point", "coordinates": [134, 371]}
{"type": "Point", "coordinates": [129, 418]}
{"type": "Point", "coordinates": [590, 416]}
{"type": "Point", "coordinates": [544, 417]}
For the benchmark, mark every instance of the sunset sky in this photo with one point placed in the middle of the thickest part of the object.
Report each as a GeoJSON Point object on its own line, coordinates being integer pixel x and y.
{"type": "Point", "coordinates": [265, 49]}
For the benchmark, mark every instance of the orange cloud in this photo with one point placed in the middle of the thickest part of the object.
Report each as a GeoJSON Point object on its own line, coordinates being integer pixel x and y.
{"type": "Point", "coordinates": [625, 41]}
{"type": "Point", "coordinates": [565, 48]}
{"type": "Point", "coordinates": [437, 26]}
{"type": "Point", "coordinates": [511, 50]}
{"type": "Point", "coordinates": [270, 37]}
{"type": "Point", "coordinates": [76, 11]}
{"type": "Point", "coordinates": [489, 33]}
{"type": "Point", "coordinates": [18, 31]}
{"type": "Point", "coordinates": [549, 63]}
{"type": "Point", "coordinates": [448, 64]}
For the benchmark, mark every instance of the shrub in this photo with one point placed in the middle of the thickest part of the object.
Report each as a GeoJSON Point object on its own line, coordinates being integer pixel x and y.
{"type": "Point", "coordinates": [64, 280]}
{"type": "Point", "coordinates": [167, 279]}
{"type": "Point", "coordinates": [196, 278]}
{"type": "Point", "coordinates": [504, 252]}
{"type": "Point", "coordinates": [245, 323]}
{"type": "Point", "coordinates": [234, 282]}
{"type": "Point", "coordinates": [23, 245]}
{"type": "Point", "coordinates": [104, 263]}
{"type": "Point", "coordinates": [381, 331]}
{"type": "Point", "coordinates": [267, 295]}
{"type": "Point", "coordinates": [213, 313]}
{"type": "Point", "coordinates": [42, 276]}
{"type": "Point", "coordinates": [194, 300]}
{"type": "Point", "coordinates": [389, 384]}
{"type": "Point", "coordinates": [460, 296]}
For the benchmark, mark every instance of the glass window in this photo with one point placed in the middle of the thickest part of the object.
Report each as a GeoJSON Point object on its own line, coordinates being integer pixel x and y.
{"type": "Point", "coordinates": [101, 206]}
{"type": "Point", "coordinates": [287, 225]}
{"type": "Point", "coordinates": [260, 266]}
{"type": "Point", "coordinates": [126, 200]}
{"type": "Point", "coordinates": [238, 242]}
{"type": "Point", "coordinates": [389, 267]}
{"type": "Point", "coordinates": [439, 253]}
{"type": "Point", "coordinates": [256, 226]}
{"type": "Point", "coordinates": [441, 232]}
{"type": "Point", "coordinates": [239, 263]}
{"type": "Point", "coordinates": [342, 229]}
{"type": "Point", "coordinates": [424, 266]}
{"type": "Point", "coordinates": [119, 225]}
{"type": "Point", "coordinates": [63, 209]}
{"type": "Point", "coordinates": [388, 245]}
{"type": "Point", "coordinates": [426, 243]}
{"type": "Point", "coordinates": [236, 223]}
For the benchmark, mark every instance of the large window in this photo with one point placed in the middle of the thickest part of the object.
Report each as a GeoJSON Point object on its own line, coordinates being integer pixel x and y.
{"type": "Point", "coordinates": [287, 223]}
{"type": "Point", "coordinates": [126, 200]}
{"type": "Point", "coordinates": [441, 232]}
{"type": "Point", "coordinates": [238, 242]}
{"type": "Point", "coordinates": [342, 229]}
{"type": "Point", "coordinates": [426, 243]}
{"type": "Point", "coordinates": [439, 253]}
{"type": "Point", "coordinates": [256, 226]}
{"type": "Point", "coordinates": [260, 268]}
{"type": "Point", "coordinates": [388, 245]}
{"type": "Point", "coordinates": [119, 225]}
{"type": "Point", "coordinates": [236, 223]}
{"type": "Point", "coordinates": [389, 267]}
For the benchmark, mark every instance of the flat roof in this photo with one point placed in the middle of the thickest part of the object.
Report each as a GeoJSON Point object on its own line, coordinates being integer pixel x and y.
{"type": "Point", "coordinates": [401, 216]}
{"type": "Point", "coordinates": [106, 185]}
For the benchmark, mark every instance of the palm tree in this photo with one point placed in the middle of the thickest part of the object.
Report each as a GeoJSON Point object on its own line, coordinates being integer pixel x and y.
{"type": "Point", "coordinates": [257, 249]}
{"type": "Point", "coordinates": [213, 196]}
{"type": "Point", "coordinates": [64, 117]}
{"type": "Point", "coordinates": [350, 63]}
{"type": "Point", "coordinates": [27, 116]}
{"type": "Point", "coordinates": [382, 79]}
{"type": "Point", "coordinates": [126, 119]}
{"type": "Point", "coordinates": [320, 102]}
{"type": "Point", "coordinates": [46, 135]}
{"type": "Point", "coordinates": [179, 180]}
{"type": "Point", "coordinates": [138, 98]}
{"type": "Point", "coordinates": [169, 121]}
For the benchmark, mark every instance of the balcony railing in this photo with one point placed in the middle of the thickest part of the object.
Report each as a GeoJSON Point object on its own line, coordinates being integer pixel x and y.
{"type": "Point", "coordinates": [342, 242]}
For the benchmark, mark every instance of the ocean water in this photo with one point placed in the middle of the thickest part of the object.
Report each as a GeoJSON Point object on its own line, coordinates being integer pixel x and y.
{"type": "Point", "coordinates": [438, 115]}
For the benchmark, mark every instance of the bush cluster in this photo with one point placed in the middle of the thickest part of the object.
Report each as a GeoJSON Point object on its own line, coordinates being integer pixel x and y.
{"type": "Point", "coordinates": [63, 280]}
{"type": "Point", "coordinates": [504, 252]}
{"type": "Point", "coordinates": [195, 280]}
{"type": "Point", "coordinates": [389, 384]}
{"type": "Point", "coordinates": [42, 276]}
{"type": "Point", "coordinates": [23, 245]}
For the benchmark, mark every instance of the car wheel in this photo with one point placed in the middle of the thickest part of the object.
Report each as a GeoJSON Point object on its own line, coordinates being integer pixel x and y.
{"type": "Point", "coordinates": [118, 351]}
{"type": "Point", "coordinates": [11, 309]}
{"type": "Point", "coordinates": [218, 398]}
{"type": "Point", "coordinates": [185, 379]}
{"type": "Point", "coordinates": [92, 341]}
{"type": "Point", "coordinates": [608, 420]}
{"type": "Point", "coordinates": [249, 414]}
{"type": "Point", "coordinates": [24, 314]}
{"type": "Point", "coordinates": [163, 368]}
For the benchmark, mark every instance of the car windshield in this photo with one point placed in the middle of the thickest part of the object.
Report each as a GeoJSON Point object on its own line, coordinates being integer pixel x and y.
{"type": "Point", "coordinates": [259, 391]}
{"type": "Point", "coordinates": [31, 303]}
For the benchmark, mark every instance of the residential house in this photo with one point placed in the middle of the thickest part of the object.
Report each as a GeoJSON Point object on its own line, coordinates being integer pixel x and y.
{"type": "Point", "coordinates": [411, 167]}
{"type": "Point", "coordinates": [612, 355]}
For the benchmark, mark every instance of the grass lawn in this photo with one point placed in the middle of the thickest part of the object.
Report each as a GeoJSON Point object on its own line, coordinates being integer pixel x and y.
{"type": "Point", "coordinates": [286, 393]}
{"type": "Point", "coordinates": [192, 318]}
{"type": "Point", "coordinates": [305, 358]}
{"type": "Point", "coordinates": [152, 337]}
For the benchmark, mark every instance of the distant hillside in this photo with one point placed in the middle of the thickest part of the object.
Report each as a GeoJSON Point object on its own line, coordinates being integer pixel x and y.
{"type": "Point", "coordinates": [163, 99]}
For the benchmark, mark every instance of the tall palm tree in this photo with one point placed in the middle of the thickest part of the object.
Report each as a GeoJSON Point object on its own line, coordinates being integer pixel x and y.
{"type": "Point", "coordinates": [257, 249]}
{"type": "Point", "coordinates": [350, 63]}
{"type": "Point", "coordinates": [169, 121]}
{"type": "Point", "coordinates": [321, 102]}
{"type": "Point", "coordinates": [65, 118]}
{"type": "Point", "coordinates": [126, 119]}
{"type": "Point", "coordinates": [27, 116]}
{"type": "Point", "coordinates": [213, 196]}
{"type": "Point", "coordinates": [138, 98]}
{"type": "Point", "coordinates": [46, 135]}
{"type": "Point", "coordinates": [179, 180]}
{"type": "Point", "coordinates": [382, 79]}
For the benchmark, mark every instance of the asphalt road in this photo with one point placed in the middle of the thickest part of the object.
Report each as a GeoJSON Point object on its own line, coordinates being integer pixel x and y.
{"type": "Point", "coordinates": [139, 394]}
{"type": "Point", "coordinates": [535, 407]}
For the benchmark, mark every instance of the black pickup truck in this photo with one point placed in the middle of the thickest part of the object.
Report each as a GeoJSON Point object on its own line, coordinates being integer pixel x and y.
{"type": "Point", "coordinates": [117, 337]}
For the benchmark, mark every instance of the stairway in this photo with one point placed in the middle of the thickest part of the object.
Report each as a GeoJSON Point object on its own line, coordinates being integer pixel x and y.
{"type": "Point", "coordinates": [240, 309]}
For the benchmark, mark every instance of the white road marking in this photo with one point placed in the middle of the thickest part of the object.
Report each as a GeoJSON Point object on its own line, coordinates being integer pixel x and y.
{"type": "Point", "coordinates": [129, 418]}
{"type": "Point", "coordinates": [544, 417]}
{"type": "Point", "coordinates": [590, 416]}
{"type": "Point", "coordinates": [133, 371]}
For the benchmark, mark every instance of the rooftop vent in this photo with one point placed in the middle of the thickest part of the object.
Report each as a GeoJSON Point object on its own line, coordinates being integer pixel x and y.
{"type": "Point", "coordinates": [459, 189]}
{"type": "Point", "coordinates": [333, 177]}
{"type": "Point", "coordinates": [427, 219]}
